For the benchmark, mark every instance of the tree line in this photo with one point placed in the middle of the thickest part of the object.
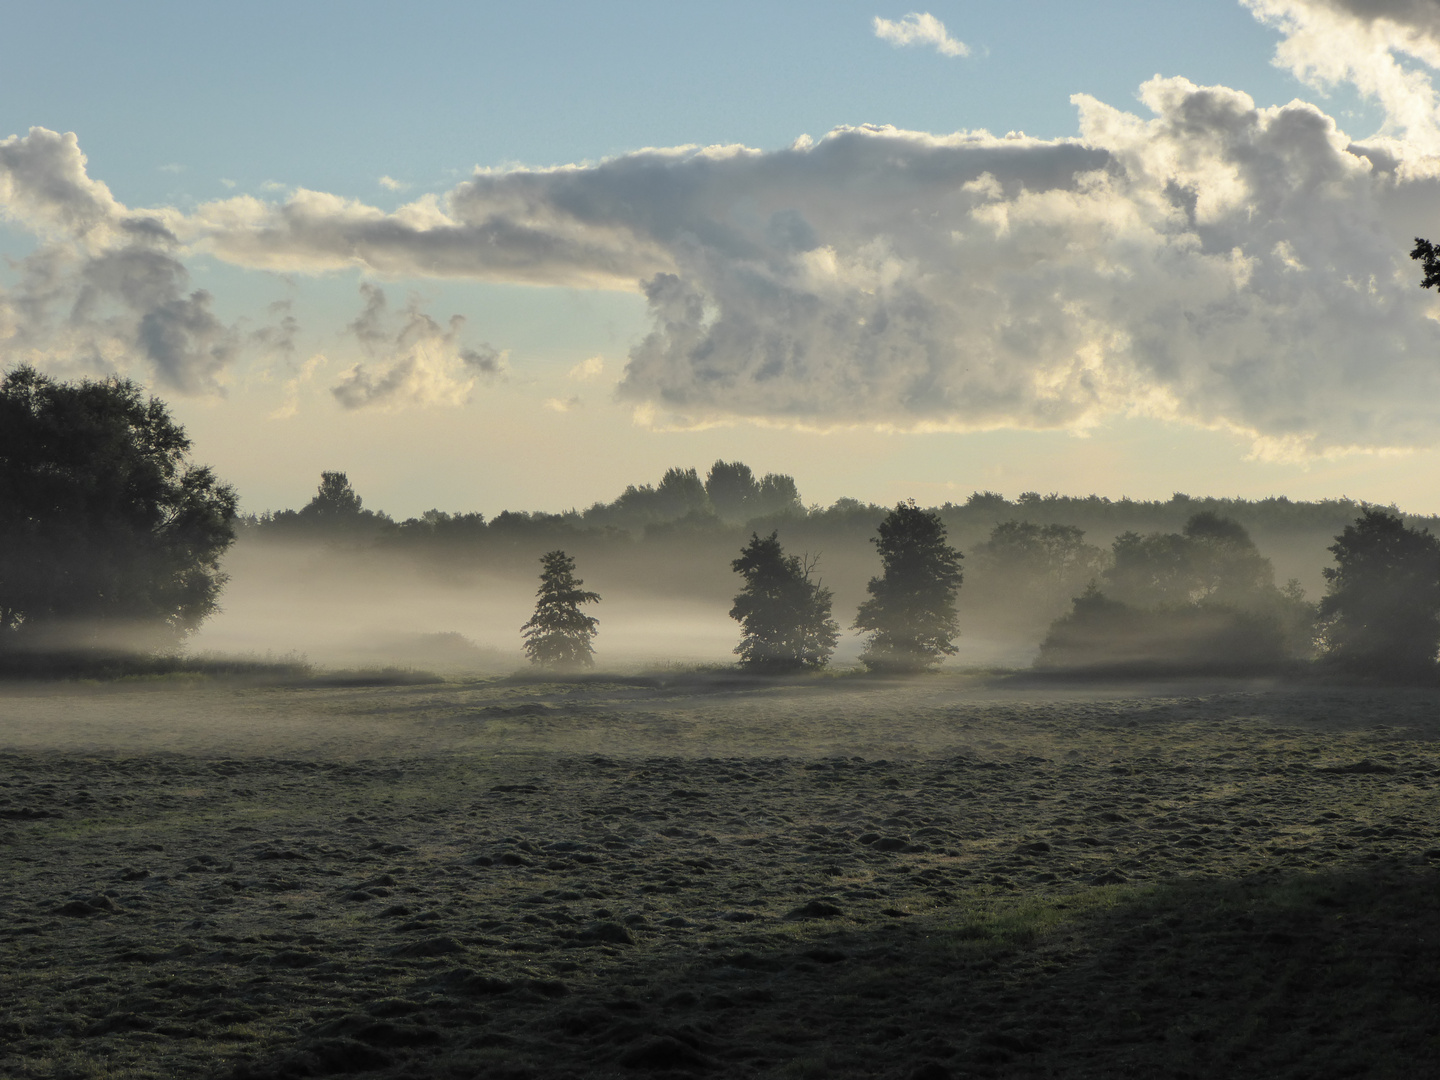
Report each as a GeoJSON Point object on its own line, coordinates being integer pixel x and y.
{"type": "Point", "coordinates": [1200, 599]}
{"type": "Point", "coordinates": [108, 532]}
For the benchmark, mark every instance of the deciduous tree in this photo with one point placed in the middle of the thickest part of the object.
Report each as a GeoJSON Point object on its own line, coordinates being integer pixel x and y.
{"type": "Point", "coordinates": [911, 614]}
{"type": "Point", "coordinates": [784, 614]}
{"type": "Point", "coordinates": [109, 535]}
{"type": "Point", "coordinates": [1381, 613]}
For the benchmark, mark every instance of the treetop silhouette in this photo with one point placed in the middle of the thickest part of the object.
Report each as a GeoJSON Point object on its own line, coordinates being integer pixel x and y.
{"type": "Point", "coordinates": [109, 535]}
{"type": "Point", "coordinates": [1381, 613]}
{"type": "Point", "coordinates": [911, 613]}
{"type": "Point", "coordinates": [559, 634]}
{"type": "Point", "coordinates": [784, 614]}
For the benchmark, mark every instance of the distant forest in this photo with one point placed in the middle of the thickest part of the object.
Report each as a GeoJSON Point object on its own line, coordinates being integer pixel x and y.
{"type": "Point", "coordinates": [1026, 560]}
{"type": "Point", "coordinates": [731, 500]}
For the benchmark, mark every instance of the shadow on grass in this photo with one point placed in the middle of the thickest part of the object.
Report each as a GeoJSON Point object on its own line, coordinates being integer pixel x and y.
{"type": "Point", "coordinates": [721, 678]}
{"type": "Point", "coordinates": [109, 665]}
{"type": "Point", "coordinates": [1321, 975]}
{"type": "Point", "coordinates": [1289, 672]}
{"type": "Point", "coordinates": [92, 665]}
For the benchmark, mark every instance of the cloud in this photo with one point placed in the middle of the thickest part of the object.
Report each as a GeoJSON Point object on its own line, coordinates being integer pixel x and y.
{"type": "Point", "coordinates": [278, 338]}
{"type": "Point", "coordinates": [562, 405]}
{"type": "Point", "coordinates": [1372, 45]}
{"type": "Point", "coordinates": [502, 227]}
{"type": "Point", "coordinates": [389, 183]}
{"type": "Point", "coordinates": [292, 386]}
{"type": "Point", "coordinates": [415, 361]}
{"type": "Point", "coordinates": [920, 28]}
{"type": "Point", "coordinates": [105, 290]}
{"type": "Point", "coordinates": [590, 368]}
{"type": "Point", "coordinates": [1200, 259]}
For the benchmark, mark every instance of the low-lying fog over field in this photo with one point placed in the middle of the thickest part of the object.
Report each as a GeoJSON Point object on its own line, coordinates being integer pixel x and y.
{"type": "Point", "coordinates": [450, 592]}
{"type": "Point", "coordinates": [703, 874]}
{"type": "Point", "coordinates": [361, 608]}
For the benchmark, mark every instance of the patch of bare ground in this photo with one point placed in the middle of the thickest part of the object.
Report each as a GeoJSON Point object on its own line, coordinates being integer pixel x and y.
{"type": "Point", "coordinates": [671, 877]}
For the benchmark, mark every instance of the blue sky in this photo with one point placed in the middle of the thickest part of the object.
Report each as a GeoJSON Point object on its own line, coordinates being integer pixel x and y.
{"type": "Point", "coordinates": [182, 110]}
{"type": "Point", "coordinates": [334, 95]}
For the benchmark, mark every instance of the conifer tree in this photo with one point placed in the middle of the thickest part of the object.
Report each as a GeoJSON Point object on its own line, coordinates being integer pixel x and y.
{"type": "Point", "coordinates": [911, 611]}
{"type": "Point", "coordinates": [784, 614]}
{"type": "Point", "coordinates": [558, 635]}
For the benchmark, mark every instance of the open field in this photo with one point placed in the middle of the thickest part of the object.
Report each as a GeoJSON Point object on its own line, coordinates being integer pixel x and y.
{"type": "Point", "coordinates": [700, 875]}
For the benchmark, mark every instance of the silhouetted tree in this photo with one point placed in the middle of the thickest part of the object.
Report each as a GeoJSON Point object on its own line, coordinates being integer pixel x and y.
{"type": "Point", "coordinates": [776, 494]}
{"type": "Point", "coordinates": [784, 614]}
{"type": "Point", "coordinates": [911, 611]}
{"type": "Point", "coordinates": [1200, 599]}
{"type": "Point", "coordinates": [1429, 258]}
{"type": "Point", "coordinates": [559, 633]}
{"type": "Point", "coordinates": [336, 513]}
{"type": "Point", "coordinates": [1381, 613]}
{"type": "Point", "coordinates": [680, 492]}
{"type": "Point", "coordinates": [1212, 559]}
{"type": "Point", "coordinates": [336, 501]}
{"type": "Point", "coordinates": [1104, 634]}
{"type": "Point", "coordinates": [106, 528]}
{"type": "Point", "coordinates": [731, 487]}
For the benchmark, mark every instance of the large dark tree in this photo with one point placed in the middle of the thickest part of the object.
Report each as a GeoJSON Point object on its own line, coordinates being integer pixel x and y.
{"type": "Point", "coordinates": [911, 614]}
{"type": "Point", "coordinates": [108, 534]}
{"type": "Point", "coordinates": [1381, 614]}
{"type": "Point", "coordinates": [784, 614]}
{"type": "Point", "coordinates": [559, 634]}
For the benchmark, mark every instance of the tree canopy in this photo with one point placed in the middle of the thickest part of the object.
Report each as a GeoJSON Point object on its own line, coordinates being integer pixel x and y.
{"type": "Point", "coordinates": [559, 634]}
{"type": "Point", "coordinates": [911, 613]}
{"type": "Point", "coordinates": [1200, 599]}
{"type": "Point", "coordinates": [1381, 612]}
{"type": "Point", "coordinates": [109, 535]}
{"type": "Point", "coordinates": [784, 614]}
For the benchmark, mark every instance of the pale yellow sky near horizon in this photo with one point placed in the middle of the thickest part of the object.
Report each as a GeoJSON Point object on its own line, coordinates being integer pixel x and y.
{"type": "Point", "coordinates": [508, 450]}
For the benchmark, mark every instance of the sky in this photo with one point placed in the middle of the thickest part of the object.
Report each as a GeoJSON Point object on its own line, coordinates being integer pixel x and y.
{"type": "Point", "coordinates": [486, 257]}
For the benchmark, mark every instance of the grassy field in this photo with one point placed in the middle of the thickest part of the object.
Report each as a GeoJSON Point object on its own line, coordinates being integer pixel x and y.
{"type": "Point", "coordinates": [696, 874]}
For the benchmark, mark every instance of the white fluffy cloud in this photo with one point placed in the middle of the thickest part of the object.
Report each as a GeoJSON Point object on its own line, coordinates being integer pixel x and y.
{"type": "Point", "coordinates": [920, 28]}
{"type": "Point", "coordinates": [1371, 44]}
{"type": "Point", "coordinates": [1210, 262]}
{"type": "Point", "coordinates": [414, 359]}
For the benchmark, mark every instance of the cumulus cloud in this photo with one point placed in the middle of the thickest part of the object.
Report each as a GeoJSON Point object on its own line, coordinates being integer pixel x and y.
{"type": "Point", "coordinates": [105, 290]}
{"type": "Point", "coordinates": [389, 183]}
{"type": "Point", "coordinates": [920, 28]}
{"type": "Point", "coordinates": [414, 359]}
{"type": "Point", "coordinates": [1201, 259]}
{"type": "Point", "coordinates": [590, 368]}
{"type": "Point", "coordinates": [1372, 45]}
